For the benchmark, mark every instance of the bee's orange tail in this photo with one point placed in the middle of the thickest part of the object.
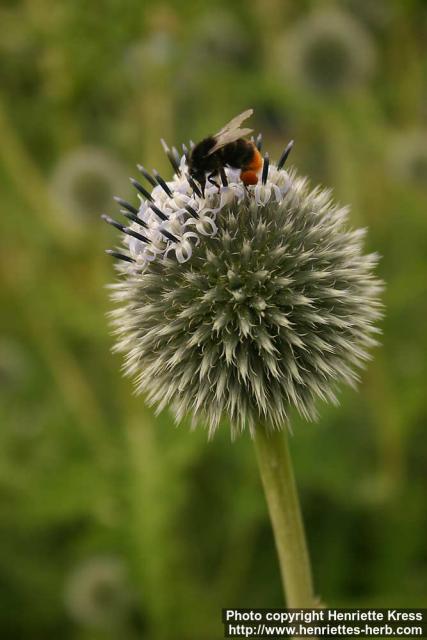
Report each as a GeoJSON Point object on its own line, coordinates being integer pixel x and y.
{"type": "Point", "coordinates": [256, 161]}
{"type": "Point", "coordinates": [249, 173]}
{"type": "Point", "coordinates": [248, 177]}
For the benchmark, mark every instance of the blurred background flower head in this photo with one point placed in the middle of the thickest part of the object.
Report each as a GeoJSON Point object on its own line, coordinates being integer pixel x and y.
{"type": "Point", "coordinates": [157, 51]}
{"type": "Point", "coordinates": [219, 38]}
{"type": "Point", "coordinates": [16, 366]}
{"type": "Point", "coordinates": [327, 51]}
{"type": "Point", "coordinates": [408, 157]}
{"type": "Point", "coordinates": [97, 593]}
{"type": "Point", "coordinates": [84, 181]}
{"type": "Point", "coordinates": [375, 15]}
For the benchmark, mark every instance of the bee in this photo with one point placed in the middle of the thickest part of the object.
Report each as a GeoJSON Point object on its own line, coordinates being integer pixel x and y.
{"type": "Point", "coordinates": [227, 148]}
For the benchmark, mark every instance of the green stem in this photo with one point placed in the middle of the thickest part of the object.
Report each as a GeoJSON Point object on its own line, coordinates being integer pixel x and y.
{"type": "Point", "coordinates": [275, 465]}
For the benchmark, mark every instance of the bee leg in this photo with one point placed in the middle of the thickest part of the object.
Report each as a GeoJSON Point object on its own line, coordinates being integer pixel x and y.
{"type": "Point", "coordinates": [248, 193]}
{"type": "Point", "coordinates": [212, 181]}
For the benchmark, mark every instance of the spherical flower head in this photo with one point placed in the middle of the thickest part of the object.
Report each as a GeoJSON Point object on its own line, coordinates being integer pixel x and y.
{"type": "Point", "coordinates": [219, 36]}
{"type": "Point", "coordinates": [269, 305]}
{"type": "Point", "coordinates": [84, 180]}
{"type": "Point", "coordinates": [97, 593]}
{"type": "Point", "coordinates": [408, 158]}
{"type": "Point", "coordinates": [327, 52]}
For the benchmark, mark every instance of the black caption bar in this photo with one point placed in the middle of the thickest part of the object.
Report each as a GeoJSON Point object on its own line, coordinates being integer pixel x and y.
{"type": "Point", "coordinates": [324, 623]}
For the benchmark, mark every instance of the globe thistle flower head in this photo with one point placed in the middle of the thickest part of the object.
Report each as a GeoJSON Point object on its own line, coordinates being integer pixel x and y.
{"type": "Point", "coordinates": [15, 364]}
{"type": "Point", "coordinates": [97, 593]}
{"type": "Point", "coordinates": [157, 50]}
{"type": "Point", "coordinates": [242, 302]}
{"type": "Point", "coordinates": [327, 52]}
{"type": "Point", "coordinates": [84, 180]}
{"type": "Point", "coordinates": [408, 158]}
{"type": "Point", "coordinates": [376, 15]}
{"type": "Point", "coordinates": [218, 36]}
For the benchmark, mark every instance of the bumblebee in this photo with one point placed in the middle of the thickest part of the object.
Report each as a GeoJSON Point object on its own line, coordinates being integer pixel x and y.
{"type": "Point", "coordinates": [227, 148]}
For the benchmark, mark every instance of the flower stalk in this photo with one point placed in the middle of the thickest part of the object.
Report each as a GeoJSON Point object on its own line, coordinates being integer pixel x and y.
{"type": "Point", "coordinates": [275, 466]}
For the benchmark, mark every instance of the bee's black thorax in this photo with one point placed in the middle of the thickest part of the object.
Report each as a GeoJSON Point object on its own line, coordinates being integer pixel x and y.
{"type": "Point", "coordinates": [200, 162]}
{"type": "Point", "coordinates": [237, 154]}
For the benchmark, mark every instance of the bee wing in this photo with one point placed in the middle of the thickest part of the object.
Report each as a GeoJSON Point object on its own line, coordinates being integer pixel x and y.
{"type": "Point", "coordinates": [229, 136]}
{"type": "Point", "coordinates": [235, 122]}
{"type": "Point", "coordinates": [232, 131]}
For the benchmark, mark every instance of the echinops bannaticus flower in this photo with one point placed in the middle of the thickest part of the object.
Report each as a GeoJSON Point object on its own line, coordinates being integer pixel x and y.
{"type": "Point", "coordinates": [408, 158]}
{"type": "Point", "coordinates": [328, 51]}
{"type": "Point", "coordinates": [219, 38]}
{"type": "Point", "coordinates": [84, 180]}
{"type": "Point", "coordinates": [97, 593]}
{"type": "Point", "coordinates": [243, 302]}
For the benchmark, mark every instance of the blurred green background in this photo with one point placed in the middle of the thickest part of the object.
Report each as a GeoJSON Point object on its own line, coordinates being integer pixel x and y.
{"type": "Point", "coordinates": [114, 523]}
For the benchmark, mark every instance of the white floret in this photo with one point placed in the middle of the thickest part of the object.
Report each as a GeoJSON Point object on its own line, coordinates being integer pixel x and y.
{"type": "Point", "coordinates": [189, 229]}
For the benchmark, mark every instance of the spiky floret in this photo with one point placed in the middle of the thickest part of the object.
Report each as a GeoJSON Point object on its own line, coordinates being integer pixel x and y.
{"type": "Point", "coordinates": [271, 312]}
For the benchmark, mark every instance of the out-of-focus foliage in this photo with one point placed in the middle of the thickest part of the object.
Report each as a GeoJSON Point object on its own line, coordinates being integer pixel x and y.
{"type": "Point", "coordinates": [106, 509]}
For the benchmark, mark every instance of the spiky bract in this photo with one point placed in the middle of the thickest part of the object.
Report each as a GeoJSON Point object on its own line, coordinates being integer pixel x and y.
{"type": "Point", "coordinates": [270, 313]}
